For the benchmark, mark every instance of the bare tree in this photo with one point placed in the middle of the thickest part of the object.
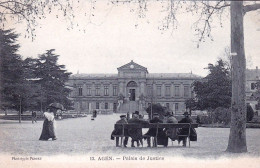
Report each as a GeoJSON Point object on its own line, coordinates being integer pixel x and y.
{"type": "Point", "coordinates": [207, 12]}
{"type": "Point", "coordinates": [29, 11]}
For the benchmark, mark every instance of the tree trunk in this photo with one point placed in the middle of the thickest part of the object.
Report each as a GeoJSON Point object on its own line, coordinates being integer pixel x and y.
{"type": "Point", "coordinates": [237, 136]}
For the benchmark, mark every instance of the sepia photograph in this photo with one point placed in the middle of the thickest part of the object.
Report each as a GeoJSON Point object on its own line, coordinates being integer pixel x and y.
{"type": "Point", "coordinates": [129, 83]}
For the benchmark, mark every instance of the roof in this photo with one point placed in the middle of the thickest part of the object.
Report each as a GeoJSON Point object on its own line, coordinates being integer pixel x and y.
{"type": "Point", "coordinates": [101, 75]}
{"type": "Point", "coordinates": [135, 66]}
{"type": "Point", "coordinates": [173, 75]}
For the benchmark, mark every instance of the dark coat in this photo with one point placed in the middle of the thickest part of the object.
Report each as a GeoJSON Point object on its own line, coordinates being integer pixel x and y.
{"type": "Point", "coordinates": [119, 131]}
{"type": "Point", "coordinates": [136, 133]}
{"type": "Point", "coordinates": [185, 131]}
{"type": "Point", "coordinates": [152, 131]}
{"type": "Point", "coordinates": [162, 139]}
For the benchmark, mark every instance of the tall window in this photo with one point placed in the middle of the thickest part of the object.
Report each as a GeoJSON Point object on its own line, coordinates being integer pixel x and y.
{"type": "Point", "coordinates": [176, 106]}
{"type": "Point", "coordinates": [97, 90]}
{"type": "Point", "coordinates": [97, 105]}
{"type": "Point", "coordinates": [159, 91]}
{"type": "Point", "coordinates": [168, 91]}
{"type": "Point", "coordinates": [186, 91]}
{"type": "Point", "coordinates": [106, 90]}
{"type": "Point", "coordinates": [177, 91]}
{"type": "Point", "coordinates": [114, 90]}
{"type": "Point", "coordinates": [106, 105]}
{"type": "Point", "coordinates": [80, 90]}
{"type": "Point", "coordinates": [149, 90]}
{"type": "Point", "coordinates": [88, 90]}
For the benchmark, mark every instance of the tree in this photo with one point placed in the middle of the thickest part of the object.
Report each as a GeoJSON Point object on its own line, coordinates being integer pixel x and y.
{"type": "Point", "coordinates": [11, 84]}
{"type": "Point", "coordinates": [52, 78]}
{"type": "Point", "coordinates": [30, 11]}
{"type": "Point", "coordinates": [215, 89]}
{"type": "Point", "coordinates": [206, 10]}
{"type": "Point", "coordinates": [157, 108]}
{"type": "Point", "coordinates": [191, 104]}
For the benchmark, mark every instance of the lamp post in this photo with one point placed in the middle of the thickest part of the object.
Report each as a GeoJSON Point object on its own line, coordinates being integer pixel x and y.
{"type": "Point", "coordinates": [20, 108]}
{"type": "Point", "coordinates": [129, 95]}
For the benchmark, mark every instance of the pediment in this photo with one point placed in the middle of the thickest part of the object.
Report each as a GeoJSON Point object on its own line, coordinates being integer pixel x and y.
{"type": "Point", "coordinates": [132, 66]}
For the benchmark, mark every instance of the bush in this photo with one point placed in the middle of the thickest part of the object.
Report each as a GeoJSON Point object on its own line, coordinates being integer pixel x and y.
{"type": "Point", "coordinates": [157, 108]}
{"type": "Point", "coordinates": [221, 115]}
{"type": "Point", "coordinates": [203, 119]}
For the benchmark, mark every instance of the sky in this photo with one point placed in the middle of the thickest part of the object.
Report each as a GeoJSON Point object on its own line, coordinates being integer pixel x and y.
{"type": "Point", "coordinates": [115, 35]}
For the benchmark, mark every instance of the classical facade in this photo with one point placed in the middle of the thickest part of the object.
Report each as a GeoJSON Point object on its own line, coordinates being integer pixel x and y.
{"type": "Point", "coordinates": [132, 88]}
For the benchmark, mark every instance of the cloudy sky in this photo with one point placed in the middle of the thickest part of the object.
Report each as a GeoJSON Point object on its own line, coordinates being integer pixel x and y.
{"type": "Point", "coordinates": [115, 35]}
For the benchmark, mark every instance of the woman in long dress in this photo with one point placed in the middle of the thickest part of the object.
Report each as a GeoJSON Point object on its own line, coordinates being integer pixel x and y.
{"type": "Point", "coordinates": [48, 129]}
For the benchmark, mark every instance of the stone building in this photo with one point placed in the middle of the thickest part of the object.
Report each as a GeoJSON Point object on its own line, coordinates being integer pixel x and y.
{"type": "Point", "coordinates": [132, 88]}
{"type": "Point", "coordinates": [252, 78]}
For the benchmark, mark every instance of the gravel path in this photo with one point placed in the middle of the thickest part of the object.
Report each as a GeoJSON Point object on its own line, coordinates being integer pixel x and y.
{"type": "Point", "coordinates": [86, 137]}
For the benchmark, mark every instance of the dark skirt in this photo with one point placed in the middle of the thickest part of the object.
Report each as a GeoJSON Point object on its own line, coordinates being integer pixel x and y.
{"type": "Point", "coordinates": [47, 130]}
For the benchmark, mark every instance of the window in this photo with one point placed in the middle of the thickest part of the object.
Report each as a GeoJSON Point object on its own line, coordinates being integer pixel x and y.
{"type": "Point", "coordinates": [186, 91]}
{"type": "Point", "coordinates": [97, 90]}
{"type": "Point", "coordinates": [106, 105]}
{"type": "Point", "coordinates": [88, 90]}
{"type": "Point", "coordinates": [106, 90]}
{"type": "Point", "coordinates": [158, 90]}
{"type": "Point", "coordinates": [97, 105]}
{"type": "Point", "coordinates": [149, 90]}
{"type": "Point", "coordinates": [80, 90]}
{"type": "Point", "coordinates": [177, 91]}
{"type": "Point", "coordinates": [168, 91]}
{"type": "Point", "coordinates": [168, 105]}
{"type": "Point", "coordinates": [176, 106]}
{"type": "Point", "coordinates": [114, 90]}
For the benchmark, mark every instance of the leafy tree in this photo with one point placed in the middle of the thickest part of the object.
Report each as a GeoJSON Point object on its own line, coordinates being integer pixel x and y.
{"type": "Point", "coordinates": [215, 89]}
{"type": "Point", "coordinates": [52, 78]}
{"type": "Point", "coordinates": [191, 104]}
{"type": "Point", "coordinates": [11, 85]}
{"type": "Point", "coordinates": [156, 108]}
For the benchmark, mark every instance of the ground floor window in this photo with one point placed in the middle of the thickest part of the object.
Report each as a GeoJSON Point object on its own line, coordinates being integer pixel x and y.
{"type": "Point", "coordinates": [106, 105]}
{"type": "Point", "coordinates": [176, 106]}
{"type": "Point", "coordinates": [97, 105]}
